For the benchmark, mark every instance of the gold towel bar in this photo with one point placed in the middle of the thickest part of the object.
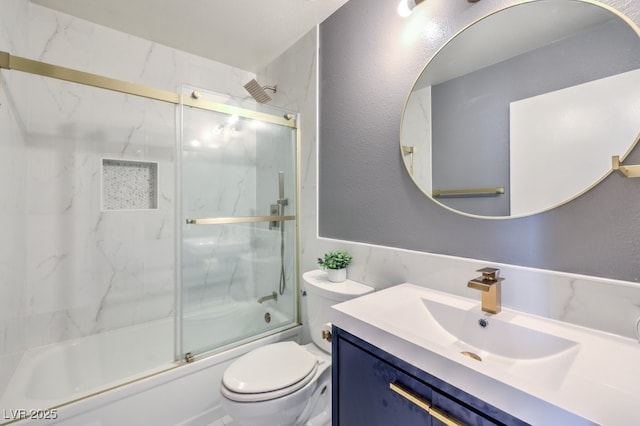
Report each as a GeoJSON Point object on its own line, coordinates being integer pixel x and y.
{"type": "Point", "coordinates": [473, 192]}
{"type": "Point", "coordinates": [628, 171]}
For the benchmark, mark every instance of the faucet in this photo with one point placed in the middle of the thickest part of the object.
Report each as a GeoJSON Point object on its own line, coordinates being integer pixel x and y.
{"type": "Point", "coordinates": [273, 296]}
{"type": "Point", "coordinates": [489, 285]}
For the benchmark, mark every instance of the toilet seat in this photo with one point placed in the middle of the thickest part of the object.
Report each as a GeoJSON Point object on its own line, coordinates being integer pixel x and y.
{"type": "Point", "coordinates": [269, 372]}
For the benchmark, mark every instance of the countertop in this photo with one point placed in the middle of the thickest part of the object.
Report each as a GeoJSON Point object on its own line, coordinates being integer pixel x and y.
{"type": "Point", "coordinates": [601, 384]}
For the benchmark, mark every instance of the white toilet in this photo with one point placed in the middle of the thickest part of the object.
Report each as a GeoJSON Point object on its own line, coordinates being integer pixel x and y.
{"type": "Point", "coordinates": [284, 383]}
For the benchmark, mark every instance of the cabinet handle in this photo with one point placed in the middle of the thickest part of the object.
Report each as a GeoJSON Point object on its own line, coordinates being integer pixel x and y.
{"type": "Point", "coordinates": [444, 418]}
{"type": "Point", "coordinates": [426, 406]}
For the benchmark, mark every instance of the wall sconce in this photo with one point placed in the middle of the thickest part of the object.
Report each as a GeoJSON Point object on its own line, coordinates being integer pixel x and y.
{"type": "Point", "coordinates": [406, 6]}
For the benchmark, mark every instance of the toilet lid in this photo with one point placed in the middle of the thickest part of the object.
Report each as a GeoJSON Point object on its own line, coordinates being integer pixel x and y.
{"type": "Point", "coordinates": [269, 368]}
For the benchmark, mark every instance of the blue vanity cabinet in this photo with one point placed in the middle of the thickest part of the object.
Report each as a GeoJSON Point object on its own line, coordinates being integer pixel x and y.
{"type": "Point", "coordinates": [372, 387]}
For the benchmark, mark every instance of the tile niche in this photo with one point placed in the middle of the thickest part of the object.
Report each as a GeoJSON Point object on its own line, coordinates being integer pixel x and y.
{"type": "Point", "coordinates": [129, 185]}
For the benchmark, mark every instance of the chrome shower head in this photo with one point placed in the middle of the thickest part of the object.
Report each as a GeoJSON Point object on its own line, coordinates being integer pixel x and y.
{"type": "Point", "coordinates": [258, 92]}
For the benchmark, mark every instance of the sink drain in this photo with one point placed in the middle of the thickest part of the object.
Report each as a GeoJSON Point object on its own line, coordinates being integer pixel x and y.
{"type": "Point", "coordinates": [471, 355]}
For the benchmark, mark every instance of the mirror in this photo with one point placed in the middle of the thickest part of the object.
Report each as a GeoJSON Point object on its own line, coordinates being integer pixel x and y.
{"type": "Point", "coordinates": [522, 110]}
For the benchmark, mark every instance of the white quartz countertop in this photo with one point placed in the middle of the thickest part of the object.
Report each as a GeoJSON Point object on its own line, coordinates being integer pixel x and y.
{"type": "Point", "coordinates": [595, 381]}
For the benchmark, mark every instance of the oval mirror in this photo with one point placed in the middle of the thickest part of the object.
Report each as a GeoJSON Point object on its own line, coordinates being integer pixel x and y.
{"type": "Point", "coordinates": [523, 110]}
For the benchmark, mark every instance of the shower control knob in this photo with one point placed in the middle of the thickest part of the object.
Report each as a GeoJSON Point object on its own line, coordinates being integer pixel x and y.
{"type": "Point", "coordinates": [326, 335]}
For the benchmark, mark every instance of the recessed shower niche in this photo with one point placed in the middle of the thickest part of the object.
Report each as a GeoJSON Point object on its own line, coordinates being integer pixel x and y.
{"type": "Point", "coordinates": [129, 185]}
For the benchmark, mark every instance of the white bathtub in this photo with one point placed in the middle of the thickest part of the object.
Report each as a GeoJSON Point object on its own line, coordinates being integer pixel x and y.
{"type": "Point", "coordinates": [215, 326]}
{"type": "Point", "coordinates": [54, 375]}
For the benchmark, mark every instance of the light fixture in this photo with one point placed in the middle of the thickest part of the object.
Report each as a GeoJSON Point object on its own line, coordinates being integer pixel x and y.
{"type": "Point", "coordinates": [406, 6]}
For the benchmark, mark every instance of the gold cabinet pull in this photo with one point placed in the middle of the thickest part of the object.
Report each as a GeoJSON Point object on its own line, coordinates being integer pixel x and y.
{"type": "Point", "coordinates": [444, 418]}
{"type": "Point", "coordinates": [426, 406]}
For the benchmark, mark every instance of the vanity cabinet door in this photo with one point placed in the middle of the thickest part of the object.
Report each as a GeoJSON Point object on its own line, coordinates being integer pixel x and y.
{"type": "Point", "coordinates": [373, 388]}
{"type": "Point", "coordinates": [364, 394]}
{"type": "Point", "coordinates": [461, 413]}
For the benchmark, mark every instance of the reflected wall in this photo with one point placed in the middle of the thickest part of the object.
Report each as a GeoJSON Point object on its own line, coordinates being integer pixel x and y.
{"type": "Point", "coordinates": [471, 117]}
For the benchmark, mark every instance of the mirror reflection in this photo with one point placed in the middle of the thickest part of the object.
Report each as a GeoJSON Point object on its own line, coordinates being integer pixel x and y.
{"type": "Point", "coordinates": [523, 110]}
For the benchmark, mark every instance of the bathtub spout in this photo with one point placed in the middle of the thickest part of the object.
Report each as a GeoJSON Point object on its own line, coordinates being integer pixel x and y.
{"type": "Point", "coordinates": [273, 296]}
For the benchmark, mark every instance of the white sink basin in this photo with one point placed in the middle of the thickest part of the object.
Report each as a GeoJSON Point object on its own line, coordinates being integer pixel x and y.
{"type": "Point", "coordinates": [493, 336]}
{"type": "Point", "coordinates": [453, 324]}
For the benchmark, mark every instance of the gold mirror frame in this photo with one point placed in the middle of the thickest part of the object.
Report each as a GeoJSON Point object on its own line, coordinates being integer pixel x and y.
{"type": "Point", "coordinates": [410, 152]}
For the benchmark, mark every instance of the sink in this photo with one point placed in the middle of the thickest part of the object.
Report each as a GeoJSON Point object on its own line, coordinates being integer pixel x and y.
{"type": "Point", "coordinates": [493, 336]}
{"type": "Point", "coordinates": [490, 342]}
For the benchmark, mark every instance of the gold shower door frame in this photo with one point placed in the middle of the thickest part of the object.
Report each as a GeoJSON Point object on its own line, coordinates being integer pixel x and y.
{"type": "Point", "coordinates": [190, 346]}
{"type": "Point", "coordinates": [29, 66]}
{"type": "Point", "coordinates": [17, 63]}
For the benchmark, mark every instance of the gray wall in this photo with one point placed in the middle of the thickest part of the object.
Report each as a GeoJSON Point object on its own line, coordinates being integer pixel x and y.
{"type": "Point", "coordinates": [369, 59]}
{"type": "Point", "coordinates": [467, 133]}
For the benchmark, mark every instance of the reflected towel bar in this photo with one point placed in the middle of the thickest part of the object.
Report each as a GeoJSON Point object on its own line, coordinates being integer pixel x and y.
{"type": "Point", "coordinates": [409, 150]}
{"type": "Point", "coordinates": [473, 192]}
{"type": "Point", "coordinates": [241, 219]}
{"type": "Point", "coordinates": [628, 171]}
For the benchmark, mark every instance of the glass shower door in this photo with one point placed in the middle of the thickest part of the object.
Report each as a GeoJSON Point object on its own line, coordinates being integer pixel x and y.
{"type": "Point", "coordinates": [238, 180]}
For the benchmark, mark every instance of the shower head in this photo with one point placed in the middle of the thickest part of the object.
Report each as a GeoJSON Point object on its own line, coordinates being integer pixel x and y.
{"type": "Point", "coordinates": [258, 92]}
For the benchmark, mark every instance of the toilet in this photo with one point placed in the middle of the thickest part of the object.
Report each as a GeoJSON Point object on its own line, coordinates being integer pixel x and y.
{"type": "Point", "coordinates": [285, 383]}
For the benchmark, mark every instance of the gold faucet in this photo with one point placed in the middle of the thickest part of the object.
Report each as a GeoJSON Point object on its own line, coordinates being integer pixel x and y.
{"type": "Point", "coordinates": [489, 285]}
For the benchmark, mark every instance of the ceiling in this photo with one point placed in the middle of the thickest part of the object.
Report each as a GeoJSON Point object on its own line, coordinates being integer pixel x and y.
{"type": "Point", "coordinates": [247, 34]}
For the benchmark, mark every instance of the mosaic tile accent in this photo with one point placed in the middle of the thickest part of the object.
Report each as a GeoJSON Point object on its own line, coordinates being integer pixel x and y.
{"type": "Point", "coordinates": [129, 185]}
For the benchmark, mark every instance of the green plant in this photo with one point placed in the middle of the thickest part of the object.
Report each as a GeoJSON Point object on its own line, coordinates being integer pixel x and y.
{"type": "Point", "coordinates": [335, 260]}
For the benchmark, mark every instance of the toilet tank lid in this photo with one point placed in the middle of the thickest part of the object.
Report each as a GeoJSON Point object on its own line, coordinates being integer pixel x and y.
{"type": "Point", "coordinates": [318, 283]}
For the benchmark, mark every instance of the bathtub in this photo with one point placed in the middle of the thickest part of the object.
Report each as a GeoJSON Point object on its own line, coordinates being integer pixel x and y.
{"type": "Point", "coordinates": [130, 374]}
{"type": "Point", "coordinates": [219, 325]}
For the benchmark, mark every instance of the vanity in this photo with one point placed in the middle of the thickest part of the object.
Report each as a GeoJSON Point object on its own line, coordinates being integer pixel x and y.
{"type": "Point", "coordinates": [502, 127]}
{"type": "Point", "coordinates": [366, 375]}
{"type": "Point", "coordinates": [411, 355]}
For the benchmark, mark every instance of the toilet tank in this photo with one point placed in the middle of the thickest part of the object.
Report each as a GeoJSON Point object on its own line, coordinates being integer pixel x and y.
{"type": "Point", "coordinates": [321, 295]}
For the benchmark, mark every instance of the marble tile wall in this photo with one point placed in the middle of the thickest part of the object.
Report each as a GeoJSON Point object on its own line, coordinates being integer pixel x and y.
{"type": "Point", "coordinates": [70, 269]}
{"type": "Point", "coordinates": [13, 175]}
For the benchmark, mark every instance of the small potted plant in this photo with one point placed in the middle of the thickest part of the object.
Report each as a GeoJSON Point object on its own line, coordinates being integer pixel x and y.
{"type": "Point", "coordinates": [335, 262]}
